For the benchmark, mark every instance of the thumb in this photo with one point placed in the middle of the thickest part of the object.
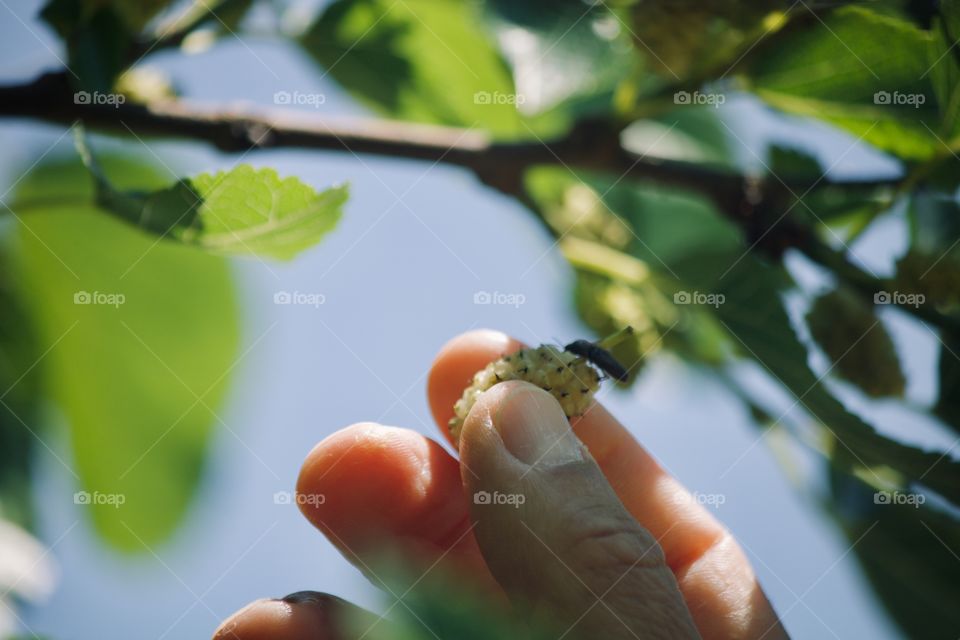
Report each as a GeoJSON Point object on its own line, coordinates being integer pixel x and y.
{"type": "Point", "coordinates": [552, 530]}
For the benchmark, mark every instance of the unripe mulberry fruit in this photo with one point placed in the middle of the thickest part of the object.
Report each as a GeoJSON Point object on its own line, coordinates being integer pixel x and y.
{"type": "Point", "coordinates": [857, 344]}
{"type": "Point", "coordinates": [569, 377]}
{"type": "Point", "coordinates": [936, 278]}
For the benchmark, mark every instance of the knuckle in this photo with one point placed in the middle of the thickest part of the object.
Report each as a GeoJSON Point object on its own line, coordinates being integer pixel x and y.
{"type": "Point", "coordinates": [604, 539]}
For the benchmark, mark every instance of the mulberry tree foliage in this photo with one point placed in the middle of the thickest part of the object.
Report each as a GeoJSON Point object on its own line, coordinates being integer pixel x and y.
{"type": "Point", "coordinates": [608, 121]}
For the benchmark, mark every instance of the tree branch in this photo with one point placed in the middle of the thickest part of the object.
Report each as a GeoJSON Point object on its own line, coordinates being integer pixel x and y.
{"type": "Point", "coordinates": [752, 203]}
{"type": "Point", "coordinates": [591, 145]}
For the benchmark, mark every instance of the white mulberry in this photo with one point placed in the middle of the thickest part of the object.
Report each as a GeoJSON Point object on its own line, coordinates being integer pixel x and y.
{"type": "Point", "coordinates": [569, 377]}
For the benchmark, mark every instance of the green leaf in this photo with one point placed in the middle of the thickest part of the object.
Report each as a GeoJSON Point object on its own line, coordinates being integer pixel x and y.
{"type": "Point", "coordinates": [860, 70]}
{"type": "Point", "coordinates": [20, 358]}
{"type": "Point", "coordinates": [97, 41]}
{"type": "Point", "coordinates": [907, 553]}
{"type": "Point", "coordinates": [684, 245]}
{"type": "Point", "coordinates": [689, 133]}
{"type": "Point", "coordinates": [945, 65]}
{"type": "Point", "coordinates": [785, 162]}
{"type": "Point", "coordinates": [240, 211]}
{"type": "Point", "coordinates": [948, 402]}
{"type": "Point", "coordinates": [65, 15]}
{"type": "Point", "coordinates": [564, 55]}
{"type": "Point", "coordinates": [100, 36]}
{"type": "Point", "coordinates": [255, 211]}
{"type": "Point", "coordinates": [931, 266]}
{"type": "Point", "coordinates": [418, 60]}
{"type": "Point", "coordinates": [441, 606]}
{"type": "Point", "coordinates": [142, 338]}
{"type": "Point", "coordinates": [856, 342]}
{"type": "Point", "coordinates": [754, 313]}
{"type": "Point", "coordinates": [696, 40]}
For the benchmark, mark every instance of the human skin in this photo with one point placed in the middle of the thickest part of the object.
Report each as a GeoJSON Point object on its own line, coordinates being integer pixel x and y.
{"type": "Point", "coordinates": [606, 540]}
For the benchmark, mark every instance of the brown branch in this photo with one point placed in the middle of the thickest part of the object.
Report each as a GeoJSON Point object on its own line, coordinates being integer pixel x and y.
{"type": "Point", "coordinates": [591, 145]}
{"type": "Point", "coordinates": [751, 203]}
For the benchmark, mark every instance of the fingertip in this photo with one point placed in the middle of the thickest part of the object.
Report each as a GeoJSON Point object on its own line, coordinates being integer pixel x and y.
{"type": "Point", "coordinates": [370, 482]}
{"type": "Point", "coordinates": [455, 365]}
{"type": "Point", "coordinates": [299, 616]}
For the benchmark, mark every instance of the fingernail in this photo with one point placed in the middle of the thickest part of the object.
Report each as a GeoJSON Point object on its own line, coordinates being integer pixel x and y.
{"type": "Point", "coordinates": [299, 597]}
{"type": "Point", "coordinates": [535, 430]}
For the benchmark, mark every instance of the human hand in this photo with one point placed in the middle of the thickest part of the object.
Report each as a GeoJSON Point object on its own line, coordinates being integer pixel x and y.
{"type": "Point", "coordinates": [605, 540]}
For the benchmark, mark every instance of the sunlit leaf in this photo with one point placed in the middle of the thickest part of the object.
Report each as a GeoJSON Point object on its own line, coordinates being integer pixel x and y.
{"type": "Point", "coordinates": [418, 60]}
{"type": "Point", "coordinates": [563, 54]}
{"type": "Point", "coordinates": [142, 337]}
{"type": "Point", "coordinates": [860, 70]}
{"type": "Point", "coordinates": [695, 39]}
{"type": "Point", "coordinates": [240, 211]}
{"type": "Point", "coordinates": [688, 133]}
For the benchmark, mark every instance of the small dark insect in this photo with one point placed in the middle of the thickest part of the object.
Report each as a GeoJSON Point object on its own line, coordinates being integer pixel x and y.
{"type": "Point", "coordinates": [598, 356]}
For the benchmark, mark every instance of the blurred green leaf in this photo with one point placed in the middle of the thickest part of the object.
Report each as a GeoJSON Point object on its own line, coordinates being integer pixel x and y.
{"type": "Point", "coordinates": [837, 211]}
{"type": "Point", "coordinates": [907, 552]}
{"type": "Point", "coordinates": [860, 70]}
{"type": "Point", "coordinates": [931, 266]}
{"type": "Point", "coordinates": [834, 211]}
{"type": "Point", "coordinates": [442, 606]}
{"type": "Point", "coordinates": [142, 338]}
{"type": "Point", "coordinates": [20, 362]}
{"type": "Point", "coordinates": [945, 65]}
{"type": "Point", "coordinates": [565, 55]}
{"type": "Point", "coordinates": [754, 313]}
{"type": "Point", "coordinates": [785, 162]}
{"type": "Point", "coordinates": [691, 253]}
{"type": "Point", "coordinates": [240, 211]}
{"type": "Point", "coordinates": [697, 39]}
{"type": "Point", "coordinates": [418, 60]}
{"type": "Point", "coordinates": [934, 219]}
{"type": "Point", "coordinates": [689, 133]}
{"type": "Point", "coordinates": [99, 35]}
{"type": "Point", "coordinates": [948, 402]}
{"type": "Point", "coordinates": [64, 15]}
{"type": "Point", "coordinates": [97, 41]}
{"type": "Point", "coordinates": [856, 342]}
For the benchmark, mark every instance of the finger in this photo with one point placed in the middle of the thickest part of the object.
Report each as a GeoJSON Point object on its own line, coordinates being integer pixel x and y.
{"type": "Point", "coordinates": [685, 529]}
{"type": "Point", "coordinates": [553, 531]}
{"type": "Point", "coordinates": [714, 575]}
{"type": "Point", "coordinates": [455, 365]}
{"type": "Point", "coordinates": [372, 489]}
{"type": "Point", "coordinates": [306, 615]}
